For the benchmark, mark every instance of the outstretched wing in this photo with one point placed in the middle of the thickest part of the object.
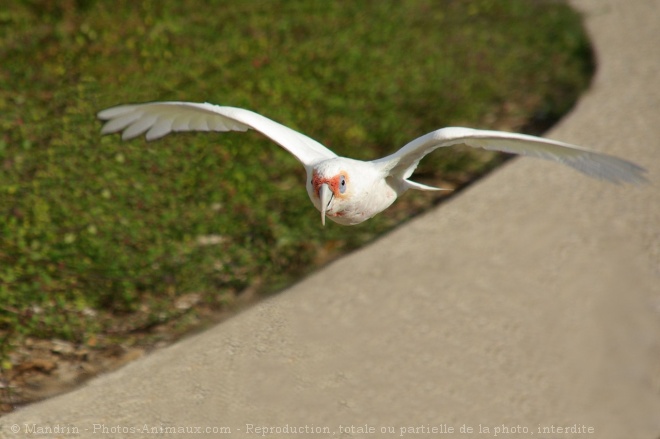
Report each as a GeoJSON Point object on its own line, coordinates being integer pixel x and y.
{"type": "Point", "coordinates": [158, 119]}
{"type": "Point", "coordinates": [403, 162]}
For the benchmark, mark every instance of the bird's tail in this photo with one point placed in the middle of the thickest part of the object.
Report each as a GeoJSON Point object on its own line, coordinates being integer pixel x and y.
{"type": "Point", "coordinates": [422, 187]}
{"type": "Point", "coordinates": [399, 179]}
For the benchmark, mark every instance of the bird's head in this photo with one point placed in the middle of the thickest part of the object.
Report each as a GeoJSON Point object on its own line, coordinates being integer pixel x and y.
{"type": "Point", "coordinates": [330, 190]}
{"type": "Point", "coordinates": [348, 191]}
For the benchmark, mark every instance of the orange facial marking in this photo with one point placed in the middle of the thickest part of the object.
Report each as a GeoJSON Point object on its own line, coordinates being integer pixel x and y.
{"type": "Point", "coordinates": [317, 181]}
{"type": "Point", "coordinates": [333, 183]}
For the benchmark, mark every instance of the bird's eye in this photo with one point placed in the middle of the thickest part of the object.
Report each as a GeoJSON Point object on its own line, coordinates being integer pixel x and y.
{"type": "Point", "coordinates": [342, 184]}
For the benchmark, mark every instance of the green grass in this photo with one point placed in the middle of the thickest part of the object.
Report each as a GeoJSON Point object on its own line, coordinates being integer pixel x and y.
{"type": "Point", "coordinates": [94, 230]}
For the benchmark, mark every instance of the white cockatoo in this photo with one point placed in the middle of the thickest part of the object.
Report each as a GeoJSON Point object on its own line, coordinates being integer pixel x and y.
{"type": "Point", "coordinates": [346, 190]}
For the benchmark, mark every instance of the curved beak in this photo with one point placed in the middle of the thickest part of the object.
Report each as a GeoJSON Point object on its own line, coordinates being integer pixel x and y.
{"type": "Point", "coordinates": [326, 195]}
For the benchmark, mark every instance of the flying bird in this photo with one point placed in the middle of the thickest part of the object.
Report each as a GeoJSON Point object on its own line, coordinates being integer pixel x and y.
{"type": "Point", "coordinates": [351, 191]}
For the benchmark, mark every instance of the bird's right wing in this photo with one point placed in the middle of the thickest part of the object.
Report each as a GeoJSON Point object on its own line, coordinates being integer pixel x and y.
{"type": "Point", "coordinates": [158, 119]}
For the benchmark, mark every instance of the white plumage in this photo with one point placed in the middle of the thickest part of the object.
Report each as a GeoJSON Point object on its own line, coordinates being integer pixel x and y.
{"type": "Point", "coordinates": [351, 191]}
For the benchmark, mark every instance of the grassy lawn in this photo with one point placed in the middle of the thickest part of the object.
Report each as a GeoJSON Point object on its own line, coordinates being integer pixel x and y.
{"type": "Point", "coordinates": [101, 240]}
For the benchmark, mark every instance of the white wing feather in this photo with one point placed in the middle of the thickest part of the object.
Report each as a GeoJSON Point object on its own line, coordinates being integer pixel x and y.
{"type": "Point", "coordinates": [157, 119]}
{"type": "Point", "coordinates": [402, 163]}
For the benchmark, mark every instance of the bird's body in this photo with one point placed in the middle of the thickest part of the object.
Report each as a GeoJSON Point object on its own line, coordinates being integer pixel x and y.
{"type": "Point", "coordinates": [367, 192]}
{"type": "Point", "coordinates": [351, 191]}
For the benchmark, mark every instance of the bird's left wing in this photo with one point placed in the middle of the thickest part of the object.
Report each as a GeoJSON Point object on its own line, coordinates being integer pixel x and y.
{"type": "Point", "coordinates": [158, 119]}
{"type": "Point", "coordinates": [403, 162]}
